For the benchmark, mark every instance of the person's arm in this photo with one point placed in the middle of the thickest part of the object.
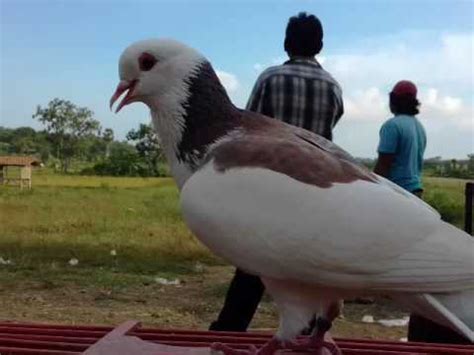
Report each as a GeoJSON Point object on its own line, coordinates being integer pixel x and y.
{"type": "Point", "coordinates": [338, 104]}
{"type": "Point", "coordinates": [260, 99]}
{"type": "Point", "coordinates": [255, 101]}
{"type": "Point", "coordinates": [387, 148]}
{"type": "Point", "coordinates": [384, 163]}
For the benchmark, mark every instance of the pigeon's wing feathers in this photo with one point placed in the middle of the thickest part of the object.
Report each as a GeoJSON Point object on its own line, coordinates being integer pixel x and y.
{"type": "Point", "coordinates": [290, 210]}
{"type": "Point", "coordinates": [341, 154]}
{"type": "Point", "coordinates": [257, 125]}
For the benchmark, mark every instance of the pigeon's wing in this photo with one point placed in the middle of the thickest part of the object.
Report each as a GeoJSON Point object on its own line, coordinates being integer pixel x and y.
{"type": "Point", "coordinates": [336, 151]}
{"type": "Point", "coordinates": [261, 127]}
{"type": "Point", "coordinates": [284, 209]}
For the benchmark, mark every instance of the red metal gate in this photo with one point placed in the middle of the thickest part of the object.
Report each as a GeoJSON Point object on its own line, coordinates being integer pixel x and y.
{"type": "Point", "coordinates": [89, 340]}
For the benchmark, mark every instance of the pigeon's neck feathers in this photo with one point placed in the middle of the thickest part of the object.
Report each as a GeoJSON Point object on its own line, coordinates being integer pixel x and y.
{"type": "Point", "coordinates": [209, 115]}
{"type": "Point", "coordinates": [193, 116]}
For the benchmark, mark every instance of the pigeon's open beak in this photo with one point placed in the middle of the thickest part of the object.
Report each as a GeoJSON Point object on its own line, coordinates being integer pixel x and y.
{"type": "Point", "coordinates": [123, 86]}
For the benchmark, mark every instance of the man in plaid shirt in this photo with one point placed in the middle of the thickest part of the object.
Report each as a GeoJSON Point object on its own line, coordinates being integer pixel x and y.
{"type": "Point", "coordinates": [299, 92]}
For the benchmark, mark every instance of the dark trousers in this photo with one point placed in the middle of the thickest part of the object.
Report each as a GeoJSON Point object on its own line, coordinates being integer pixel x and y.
{"type": "Point", "coordinates": [241, 302]}
{"type": "Point", "coordinates": [243, 296]}
{"type": "Point", "coordinates": [424, 330]}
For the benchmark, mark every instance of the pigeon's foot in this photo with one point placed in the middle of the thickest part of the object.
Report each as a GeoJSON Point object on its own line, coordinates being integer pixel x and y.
{"type": "Point", "coordinates": [267, 349]}
{"type": "Point", "coordinates": [315, 346]}
{"type": "Point", "coordinates": [222, 349]}
{"type": "Point", "coordinates": [320, 343]}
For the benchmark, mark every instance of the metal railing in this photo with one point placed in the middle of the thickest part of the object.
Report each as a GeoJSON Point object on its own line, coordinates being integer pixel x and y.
{"type": "Point", "coordinates": [468, 193]}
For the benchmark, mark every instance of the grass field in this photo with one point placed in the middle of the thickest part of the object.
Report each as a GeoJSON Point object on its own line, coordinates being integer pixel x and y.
{"type": "Point", "coordinates": [124, 233]}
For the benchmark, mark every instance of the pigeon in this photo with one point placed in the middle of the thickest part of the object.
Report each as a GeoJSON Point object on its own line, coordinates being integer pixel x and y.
{"type": "Point", "coordinates": [293, 208]}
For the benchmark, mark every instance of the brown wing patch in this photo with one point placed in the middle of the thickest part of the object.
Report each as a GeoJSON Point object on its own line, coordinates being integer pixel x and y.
{"type": "Point", "coordinates": [293, 157]}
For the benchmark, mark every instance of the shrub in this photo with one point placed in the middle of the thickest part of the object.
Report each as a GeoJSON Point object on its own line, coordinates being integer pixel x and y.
{"type": "Point", "coordinates": [450, 209]}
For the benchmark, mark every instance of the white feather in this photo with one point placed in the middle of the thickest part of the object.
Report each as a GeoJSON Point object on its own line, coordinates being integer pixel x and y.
{"type": "Point", "coordinates": [354, 238]}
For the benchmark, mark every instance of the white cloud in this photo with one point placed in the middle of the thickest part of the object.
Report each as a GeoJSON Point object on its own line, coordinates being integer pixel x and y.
{"type": "Point", "coordinates": [371, 105]}
{"type": "Point", "coordinates": [366, 105]}
{"type": "Point", "coordinates": [446, 109]}
{"type": "Point", "coordinates": [229, 80]}
{"type": "Point", "coordinates": [258, 67]}
{"type": "Point", "coordinates": [441, 67]}
{"type": "Point", "coordinates": [278, 60]}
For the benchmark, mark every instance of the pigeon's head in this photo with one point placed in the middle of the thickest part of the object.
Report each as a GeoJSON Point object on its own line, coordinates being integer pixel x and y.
{"type": "Point", "coordinates": [155, 72]}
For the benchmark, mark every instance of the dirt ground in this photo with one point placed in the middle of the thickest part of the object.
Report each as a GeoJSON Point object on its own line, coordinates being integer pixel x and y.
{"type": "Point", "coordinates": [192, 304]}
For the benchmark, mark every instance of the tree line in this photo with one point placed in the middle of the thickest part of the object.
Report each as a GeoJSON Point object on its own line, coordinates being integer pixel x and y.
{"type": "Point", "coordinates": [74, 141]}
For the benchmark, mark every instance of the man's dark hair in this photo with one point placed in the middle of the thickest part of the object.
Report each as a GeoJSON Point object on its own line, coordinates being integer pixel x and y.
{"type": "Point", "coordinates": [404, 104]}
{"type": "Point", "coordinates": [304, 35]}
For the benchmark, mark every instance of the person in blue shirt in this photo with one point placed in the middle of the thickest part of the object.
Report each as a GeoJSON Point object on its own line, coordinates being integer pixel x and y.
{"type": "Point", "coordinates": [402, 140]}
{"type": "Point", "coordinates": [401, 148]}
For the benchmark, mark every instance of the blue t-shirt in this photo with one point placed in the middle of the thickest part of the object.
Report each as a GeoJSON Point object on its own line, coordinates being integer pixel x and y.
{"type": "Point", "coordinates": [405, 137]}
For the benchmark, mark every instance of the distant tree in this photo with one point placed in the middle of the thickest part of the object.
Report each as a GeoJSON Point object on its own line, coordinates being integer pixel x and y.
{"type": "Point", "coordinates": [122, 161]}
{"type": "Point", "coordinates": [67, 125]}
{"type": "Point", "coordinates": [23, 141]}
{"type": "Point", "coordinates": [4, 148]}
{"type": "Point", "coordinates": [6, 134]}
{"type": "Point", "coordinates": [470, 164]}
{"type": "Point", "coordinates": [108, 137]}
{"type": "Point", "coordinates": [148, 147]}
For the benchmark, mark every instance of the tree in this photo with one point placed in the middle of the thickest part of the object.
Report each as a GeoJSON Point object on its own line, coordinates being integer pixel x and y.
{"type": "Point", "coordinates": [148, 147]}
{"type": "Point", "coordinates": [108, 137]}
{"type": "Point", "coordinates": [23, 141]}
{"type": "Point", "coordinates": [67, 125]}
{"type": "Point", "coordinates": [470, 164]}
{"type": "Point", "coordinates": [122, 161]}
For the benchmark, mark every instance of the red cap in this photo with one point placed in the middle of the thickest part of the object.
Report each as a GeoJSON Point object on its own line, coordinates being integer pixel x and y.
{"type": "Point", "coordinates": [405, 87]}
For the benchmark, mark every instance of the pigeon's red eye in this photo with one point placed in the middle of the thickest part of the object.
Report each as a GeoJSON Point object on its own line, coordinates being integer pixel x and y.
{"type": "Point", "coordinates": [146, 62]}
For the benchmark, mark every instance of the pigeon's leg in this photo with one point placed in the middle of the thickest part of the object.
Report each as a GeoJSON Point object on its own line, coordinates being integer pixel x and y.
{"type": "Point", "coordinates": [293, 319]}
{"type": "Point", "coordinates": [268, 348]}
{"type": "Point", "coordinates": [320, 339]}
{"type": "Point", "coordinates": [222, 349]}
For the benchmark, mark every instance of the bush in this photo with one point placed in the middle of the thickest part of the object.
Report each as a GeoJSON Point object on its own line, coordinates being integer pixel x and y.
{"type": "Point", "coordinates": [451, 210]}
{"type": "Point", "coordinates": [124, 160]}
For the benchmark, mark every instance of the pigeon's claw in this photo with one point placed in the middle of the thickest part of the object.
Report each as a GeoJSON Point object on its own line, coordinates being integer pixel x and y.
{"type": "Point", "coordinates": [315, 346]}
{"type": "Point", "coordinates": [222, 349]}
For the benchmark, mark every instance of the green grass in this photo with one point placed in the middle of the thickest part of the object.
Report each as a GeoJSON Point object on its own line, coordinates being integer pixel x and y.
{"type": "Point", "coordinates": [447, 196]}
{"type": "Point", "coordinates": [66, 217]}
{"type": "Point", "coordinates": [82, 217]}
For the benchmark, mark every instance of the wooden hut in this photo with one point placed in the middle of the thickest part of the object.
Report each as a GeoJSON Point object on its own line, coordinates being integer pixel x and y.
{"type": "Point", "coordinates": [16, 170]}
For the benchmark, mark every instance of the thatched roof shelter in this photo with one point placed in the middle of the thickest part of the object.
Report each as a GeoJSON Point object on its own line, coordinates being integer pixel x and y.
{"type": "Point", "coordinates": [23, 163]}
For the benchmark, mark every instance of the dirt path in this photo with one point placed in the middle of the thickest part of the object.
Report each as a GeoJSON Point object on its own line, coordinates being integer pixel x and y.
{"type": "Point", "coordinates": [192, 304]}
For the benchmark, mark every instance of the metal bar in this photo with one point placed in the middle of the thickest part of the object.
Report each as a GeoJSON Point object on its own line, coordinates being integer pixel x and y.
{"type": "Point", "coordinates": [469, 192]}
{"type": "Point", "coordinates": [36, 344]}
{"type": "Point", "coordinates": [28, 351]}
{"type": "Point", "coordinates": [46, 331]}
{"type": "Point", "coordinates": [117, 332]}
{"type": "Point", "coordinates": [103, 328]}
{"type": "Point", "coordinates": [57, 339]}
{"type": "Point", "coordinates": [50, 338]}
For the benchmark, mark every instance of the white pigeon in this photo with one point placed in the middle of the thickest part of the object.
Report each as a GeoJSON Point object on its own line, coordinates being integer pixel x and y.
{"type": "Point", "coordinates": [287, 205]}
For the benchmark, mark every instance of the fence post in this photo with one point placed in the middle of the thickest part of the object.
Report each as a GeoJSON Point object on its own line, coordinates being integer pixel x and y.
{"type": "Point", "coordinates": [469, 192]}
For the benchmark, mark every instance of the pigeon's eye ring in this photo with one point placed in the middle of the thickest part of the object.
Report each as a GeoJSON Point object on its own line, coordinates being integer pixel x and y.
{"type": "Point", "coordinates": [146, 62]}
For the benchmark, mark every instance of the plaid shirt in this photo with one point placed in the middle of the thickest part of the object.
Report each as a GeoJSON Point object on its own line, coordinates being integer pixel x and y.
{"type": "Point", "coordinates": [299, 92]}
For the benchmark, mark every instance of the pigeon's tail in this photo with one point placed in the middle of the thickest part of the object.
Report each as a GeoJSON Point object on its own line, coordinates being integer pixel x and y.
{"type": "Point", "coordinates": [458, 308]}
{"type": "Point", "coordinates": [454, 310]}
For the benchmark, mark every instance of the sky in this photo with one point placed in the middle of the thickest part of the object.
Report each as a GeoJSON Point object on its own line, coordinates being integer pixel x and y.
{"type": "Point", "coordinates": [70, 49]}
